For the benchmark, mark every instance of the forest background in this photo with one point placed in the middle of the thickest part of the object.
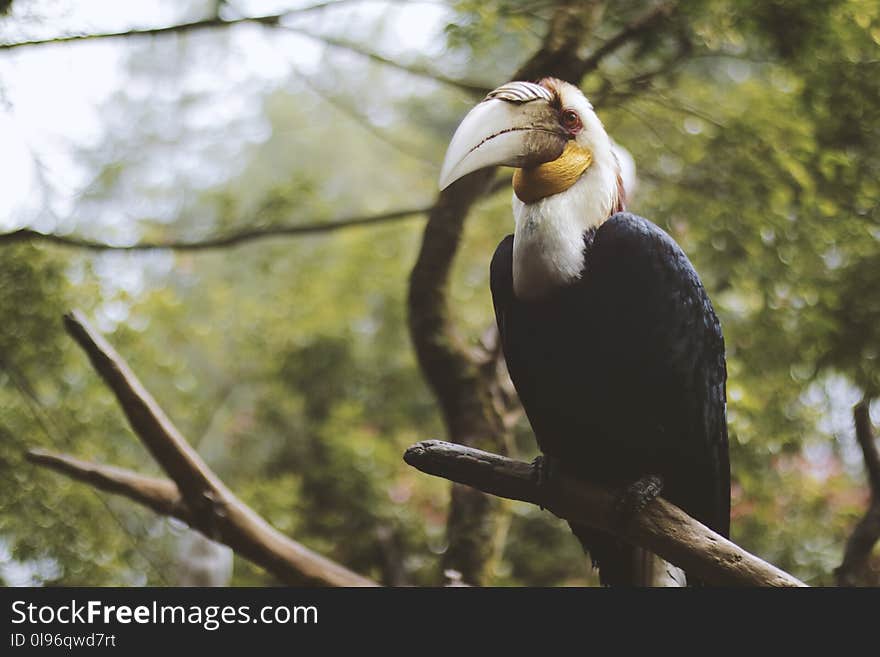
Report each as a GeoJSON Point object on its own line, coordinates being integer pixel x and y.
{"type": "Point", "coordinates": [286, 356]}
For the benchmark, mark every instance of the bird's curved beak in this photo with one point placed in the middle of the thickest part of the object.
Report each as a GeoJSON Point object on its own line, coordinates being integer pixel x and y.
{"type": "Point", "coordinates": [514, 126]}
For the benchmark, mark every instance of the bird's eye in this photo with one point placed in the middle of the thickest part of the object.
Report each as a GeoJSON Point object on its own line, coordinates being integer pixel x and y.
{"type": "Point", "coordinates": [570, 120]}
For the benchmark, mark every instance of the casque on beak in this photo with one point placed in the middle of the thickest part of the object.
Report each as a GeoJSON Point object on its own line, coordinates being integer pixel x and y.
{"type": "Point", "coordinates": [514, 126]}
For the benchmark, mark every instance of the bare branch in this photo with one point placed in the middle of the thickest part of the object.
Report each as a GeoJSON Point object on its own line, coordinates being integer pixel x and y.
{"type": "Point", "coordinates": [160, 495]}
{"type": "Point", "coordinates": [232, 239]}
{"type": "Point", "coordinates": [469, 87]}
{"type": "Point", "coordinates": [210, 506]}
{"type": "Point", "coordinates": [365, 123]}
{"type": "Point", "coordinates": [629, 32]}
{"type": "Point", "coordinates": [180, 28]}
{"type": "Point", "coordinates": [682, 107]}
{"type": "Point", "coordinates": [149, 422]}
{"type": "Point", "coordinates": [661, 527]}
{"type": "Point", "coordinates": [854, 570]}
{"type": "Point", "coordinates": [291, 562]}
{"type": "Point", "coordinates": [270, 20]}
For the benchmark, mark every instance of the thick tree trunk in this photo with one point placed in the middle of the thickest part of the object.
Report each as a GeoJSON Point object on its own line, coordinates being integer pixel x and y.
{"type": "Point", "coordinates": [455, 376]}
{"type": "Point", "coordinates": [855, 570]}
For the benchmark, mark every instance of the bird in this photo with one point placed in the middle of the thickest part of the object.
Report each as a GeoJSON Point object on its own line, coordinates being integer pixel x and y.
{"type": "Point", "coordinates": [610, 338]}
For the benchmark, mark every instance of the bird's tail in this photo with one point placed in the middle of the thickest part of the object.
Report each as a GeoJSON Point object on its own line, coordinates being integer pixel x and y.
{"type": "Point", "coordinates": [620, 564]}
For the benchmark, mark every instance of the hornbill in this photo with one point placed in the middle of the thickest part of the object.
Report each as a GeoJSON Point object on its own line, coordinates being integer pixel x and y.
{"type": "Point", "coordinates": [610, 339]}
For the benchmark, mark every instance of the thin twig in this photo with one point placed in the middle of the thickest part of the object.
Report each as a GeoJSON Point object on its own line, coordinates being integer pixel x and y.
{"type": "Point", "coordinates": [365, 123]}
{"type": "Point", "coordinates": [179, 28]}
{"type": "Point", "coordinates": [160, 495]}
{"type": "Point", "coordinates": [270, 20]}
{"type": "Point", "coordinates": [235, 238]}
{"type": "Point", "coordinates": [627, 34]}
{"type": "Point", "coordinates": [476, 89]}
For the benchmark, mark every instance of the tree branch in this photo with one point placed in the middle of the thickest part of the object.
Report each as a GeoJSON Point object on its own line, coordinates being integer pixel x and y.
{"type": "Point", "coordinates": [661, 527]}
{"type": "Point", "coordinates": [854, 570]}
{"type": "Point", "coordinates": [179, 28]}
{"type": "Point", "coordinates": [365, 123]}
{"type": "Point", "coordinates": [270, 20]}
{"type": "Point", "coordinates": [198, 497]}
{"type": "Point", "coordinates": [556, 57]}
{"type": "Point", "coordinates": [632, 30]}
{"type": "Point", "coordinates": [472, 88]}
{"type": "Point", "coordinates": [233, 239]}
{"type": "Point", "coordinates": [160, 495]}
{"type": "Point", "coordinates": [149, 422]}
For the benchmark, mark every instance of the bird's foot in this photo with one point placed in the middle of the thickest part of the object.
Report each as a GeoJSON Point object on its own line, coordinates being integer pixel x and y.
{"type": "Point", "coordinates": [637, 495]}
{"type": "Point", "coordinates": [544, 468]}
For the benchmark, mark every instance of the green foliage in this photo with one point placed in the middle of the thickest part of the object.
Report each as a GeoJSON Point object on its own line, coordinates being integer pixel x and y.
{"type": "Point", "coordinates": [56, 532]}
{"type": "Point", "coordinates": [481, 26]}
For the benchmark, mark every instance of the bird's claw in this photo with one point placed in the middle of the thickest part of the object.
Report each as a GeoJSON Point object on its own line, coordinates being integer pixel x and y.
{"type": "Point", "coordinates": [637, 495]}
{"type": "Point", "coordinates": [544, 468]}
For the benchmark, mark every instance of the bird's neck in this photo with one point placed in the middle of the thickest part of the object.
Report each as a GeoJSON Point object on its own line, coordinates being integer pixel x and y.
{"type": "Point", "coordinates": [550, 178]}
{"type": "Point", "coordinates": [548, 242]}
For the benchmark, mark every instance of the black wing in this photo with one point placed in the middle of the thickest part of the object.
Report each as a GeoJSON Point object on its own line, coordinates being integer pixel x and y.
{"type": "Point", "coordinates": [622, 373]}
